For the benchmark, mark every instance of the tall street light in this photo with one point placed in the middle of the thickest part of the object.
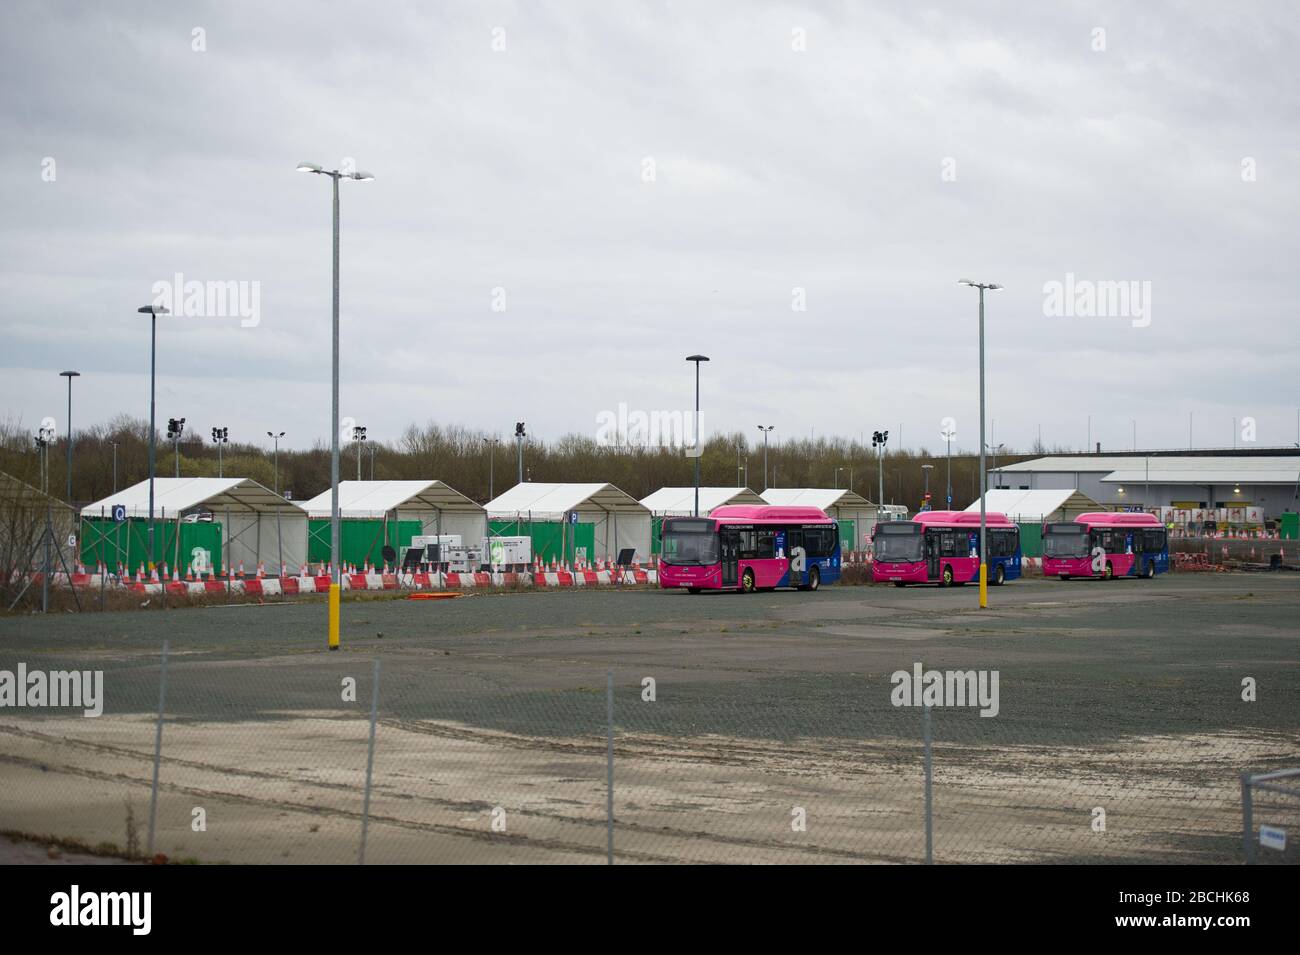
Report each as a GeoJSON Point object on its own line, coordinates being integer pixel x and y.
{"type": "Point", "coordinates": [926, 469]}
{"type": "Point", "coordinates": [276, 438]}
{"type": "Point", "coordinates": [69, 375]}
{"type": "Point", "coordinates": [220, 436]}
{"type": "Point", "coordinates": [878, 441]}
{"type": "Point", "coordinates": [948, 433]}
{"type": "Point", "coordinates": [765, 429]}
{"type": "Point", "coordinates": [153, 311]}
{"type": "Point", "coordinates": [699, 448]}
{"type": "Point", "coordinates": [175, 428]}
{"type": "Point", "coordinates": [984, 551]}
{"type": "Point", "coordinates": [335, 175]}
{"type": "Point", "coordinates": [359, 439]}
{"type": "Point", "coordinates": [521, 433]}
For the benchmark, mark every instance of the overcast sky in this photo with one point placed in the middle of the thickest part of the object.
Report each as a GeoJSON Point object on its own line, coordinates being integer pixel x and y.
{"type": "Point", "coordinates": [649, 180]}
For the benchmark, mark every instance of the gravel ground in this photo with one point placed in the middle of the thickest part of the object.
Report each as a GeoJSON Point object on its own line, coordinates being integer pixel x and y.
{"type": "Point", "coordinates": [1123, 695]}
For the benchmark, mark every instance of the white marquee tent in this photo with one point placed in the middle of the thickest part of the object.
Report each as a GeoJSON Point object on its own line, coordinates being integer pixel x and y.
{"type": "Point", "coordinates": [680, 501]}
{"type": "Point", "coordinates": [256, 523]}
{"type": "Point", "coordinates": [439, 508]}
{"type": "Point", "coordinates": [620, 520]}
{"type": "Point", "coordinates": [851, 509]}
{"type": "Point", "coordinates": [1064, 504]}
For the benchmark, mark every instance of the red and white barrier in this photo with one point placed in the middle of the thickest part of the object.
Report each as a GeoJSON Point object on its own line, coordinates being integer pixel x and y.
{"type": "Point", "coordinates": [320, 583]}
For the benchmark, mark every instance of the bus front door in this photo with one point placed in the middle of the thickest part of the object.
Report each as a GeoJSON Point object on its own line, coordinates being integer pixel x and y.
{"type": "Point", "coordinates": [730, 545]}
{"type": "Point", "coordinates": [931, 555]}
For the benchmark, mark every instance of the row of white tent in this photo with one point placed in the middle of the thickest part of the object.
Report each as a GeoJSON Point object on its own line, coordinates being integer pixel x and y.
{"type": "Point", "coordinates": [261, 526]}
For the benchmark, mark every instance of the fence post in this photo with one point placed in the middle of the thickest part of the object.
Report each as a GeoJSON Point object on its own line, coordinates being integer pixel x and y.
{"type": "Point", "coordinates": [929, 794]}
{"type": "Point", "coordinates": [370, 761]}
{"type": "Point", "coordinates": [157, 746]}
{"type": "Point", "coordinates": [1247, 818]}
{"type": "Point", "coordinates": [609, 768]}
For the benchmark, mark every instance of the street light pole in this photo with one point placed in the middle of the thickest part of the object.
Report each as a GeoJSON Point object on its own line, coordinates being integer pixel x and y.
{"type": "Point", "coordinates": [359, 438]}
{"type": "Point", "coordinates": [926, 469]}
{"type": "Point", "coordinates": [220, 436]}
{"type": "Point", "coordinates": [69, 375]}
{"type": "Point", "coordinates": [335, 527]}
{"type": "Point", "coordinates": [984, 591]}
{"type": "Point", "coordinates": [153, 311]}
{"type": "Point", "coordinates": [699, 448]}
{"type": "Point", "coordinates": [276, 438]}
{"type": "Point", "coordinates": [765, 429]}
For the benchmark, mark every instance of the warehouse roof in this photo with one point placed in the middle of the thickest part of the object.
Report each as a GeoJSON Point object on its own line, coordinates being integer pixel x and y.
{"type": "Point", "coordinates": [1033, 505]}
{"type": "Point", "coordinates": [680, 501]}
{"type": "Point", "coordinates": [180, 496]}
{"type": "Point", "coordinates": [550, 502]}
{"type": "Point", "coordinates": [823, 497]}
{"type": "Point", "coordinates": [374, 499]}
{"type": "Point", "coordinates": [1207, 471]}
{"type": "Point", "coordinates": [1189, 469]}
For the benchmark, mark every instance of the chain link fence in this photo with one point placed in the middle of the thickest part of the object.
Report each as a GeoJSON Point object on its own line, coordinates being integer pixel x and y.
{"type": "Point", "coordinates": [402, 758]}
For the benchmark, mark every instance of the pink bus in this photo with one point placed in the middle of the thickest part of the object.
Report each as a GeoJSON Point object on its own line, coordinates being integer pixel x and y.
{"type": "Point", "coordinates": [750, 547]}
{"type": "Point", "coordinates": [1101, 544]}
{"type": "Point", "coordinates": [943, 547]}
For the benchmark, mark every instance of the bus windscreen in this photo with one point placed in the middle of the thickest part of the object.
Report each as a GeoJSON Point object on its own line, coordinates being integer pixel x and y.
{"type": "Point", "coordinates": [689, 547]}
{"type": "Point", "coordinates": [898, 543]}
{"type": "Point", "coordinates": [1065, 540]}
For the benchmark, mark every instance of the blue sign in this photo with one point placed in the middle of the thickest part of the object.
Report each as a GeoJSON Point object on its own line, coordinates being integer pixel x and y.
{"type": "Point", "coordinates": [119, 513]}
{"type": "Point", "coordinates": [573, 517]}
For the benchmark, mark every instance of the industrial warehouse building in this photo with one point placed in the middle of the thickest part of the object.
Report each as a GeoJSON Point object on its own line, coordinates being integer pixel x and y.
{"type": "Point", "coordinates": [855, 514]}
{"type": "Point", "coordinates": [1236, 488]}
{"type": "Point", "coordinates": [680, 502]}
{"type": "Point", "coordinates": [203, 524]}
{"type": "Point", "coordinates": [573, 522]}
{"type": "Point", "coordinates": [376, 514]}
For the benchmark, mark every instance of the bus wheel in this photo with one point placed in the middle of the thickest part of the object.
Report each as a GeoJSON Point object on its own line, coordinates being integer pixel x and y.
{"type": "Point", "coordinates": [1109, 572]}
{"type": "Point", "coordinates": [999, 575]}
{"type": "Point", "coordinates": [1151, 570]}
{"type": "Point", "coordinates": [945, 579]}
{"type": "Point", "coordinates": [814, 579]}
{"type": "Point", "coordinates": [900, 583]}
{"type": "Point", "coordinates": [692, 590]}
{"type": "Point", "coordinates": [747, 582]}
{"type": "Point", "coordinates": [1065, 576]}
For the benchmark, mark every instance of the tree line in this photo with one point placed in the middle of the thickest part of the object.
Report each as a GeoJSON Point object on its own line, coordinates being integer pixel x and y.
{"type": "Point", "coordinates": [460, 456]}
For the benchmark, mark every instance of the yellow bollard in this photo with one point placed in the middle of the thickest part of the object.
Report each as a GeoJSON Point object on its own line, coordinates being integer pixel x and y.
{"type": "Point", "coordinates": [984, 586]}
{"type": "Point", "coordinates": [334, 615]}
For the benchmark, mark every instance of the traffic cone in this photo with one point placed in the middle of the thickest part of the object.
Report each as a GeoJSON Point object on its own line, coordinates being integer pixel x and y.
{"type": "Point", "coordinates": [189, 571]}
{"type": "Point", "coordinates": [241, 568]}
{"type": "Point", "coordinates": [261, 570]}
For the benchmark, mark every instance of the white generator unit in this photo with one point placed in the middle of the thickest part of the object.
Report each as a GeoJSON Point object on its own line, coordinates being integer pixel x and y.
{"type": "Point", "coordinates": [462, 560]}
{"type": "Point", "coordinates": [439, 542]}
{"type": "Point", "coordinates": [508, 553]}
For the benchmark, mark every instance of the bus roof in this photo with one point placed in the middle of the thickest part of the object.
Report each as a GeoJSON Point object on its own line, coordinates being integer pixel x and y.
{"type": "Point", "coordinates": [1118, 519]}
{"type": "Point", "coordinates": [961, 519]}
{"type": "Point", "coordinates": [768, 514]}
